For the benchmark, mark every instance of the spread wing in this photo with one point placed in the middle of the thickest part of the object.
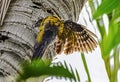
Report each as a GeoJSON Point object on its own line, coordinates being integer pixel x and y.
{"type": "Point", "coordinates": [75, 38]}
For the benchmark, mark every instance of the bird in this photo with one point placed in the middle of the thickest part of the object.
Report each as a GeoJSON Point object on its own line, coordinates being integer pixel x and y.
{"type": "Point", "coordinates": [67, 35]}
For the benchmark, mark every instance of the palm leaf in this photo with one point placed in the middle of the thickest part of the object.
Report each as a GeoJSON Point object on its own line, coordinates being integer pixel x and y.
{"type": "Point", "coordinates": [38, 68]}
{"type": "Point", "coordinates": [107, 6]}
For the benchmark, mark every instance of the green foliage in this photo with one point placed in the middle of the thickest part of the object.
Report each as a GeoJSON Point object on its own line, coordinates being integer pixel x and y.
{"type": "Point", "coordinates": [111, 40]}
{"type": "Point", "coordinates": [77, 74]}
{"type": "Point", "coordinates": [108, 42]}
{"type": "Point", "coordinates": [116, 14]}
{"type": "Point", "coordinates": [38, 68]}
{"type": "Point", "coordinates": [86, 67]}
{"type": "Point", "coordinates": [107, 6]}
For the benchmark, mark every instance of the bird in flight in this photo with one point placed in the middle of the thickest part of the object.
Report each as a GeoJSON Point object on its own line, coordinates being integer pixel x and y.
{"type": "Point", "coordinates": [68, 36]}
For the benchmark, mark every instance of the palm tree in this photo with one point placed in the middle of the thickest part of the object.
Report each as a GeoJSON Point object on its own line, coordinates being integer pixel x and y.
{"type": "Point", "coordinates": [17, 32]}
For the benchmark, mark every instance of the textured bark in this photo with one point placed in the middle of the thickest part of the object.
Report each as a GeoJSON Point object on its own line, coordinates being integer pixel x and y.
{"type": "Point", "coordinates": [17, 34]}
{"type": "Point", "coordinates": [4, 4]}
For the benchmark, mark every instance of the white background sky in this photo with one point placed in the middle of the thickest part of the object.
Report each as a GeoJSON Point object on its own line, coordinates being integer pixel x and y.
{"type": "Point", "coordinates": [95, 62]}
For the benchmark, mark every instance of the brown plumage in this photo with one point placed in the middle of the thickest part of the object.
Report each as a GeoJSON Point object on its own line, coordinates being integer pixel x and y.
{"type": "Point", "coordinates": [68, 36]}
{"type": "Point", "coordinates": [75, 38]}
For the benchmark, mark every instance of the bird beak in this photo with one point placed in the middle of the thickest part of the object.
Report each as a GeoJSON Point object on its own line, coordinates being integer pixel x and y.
{"type": "Point", "coordinates": [40, 47]}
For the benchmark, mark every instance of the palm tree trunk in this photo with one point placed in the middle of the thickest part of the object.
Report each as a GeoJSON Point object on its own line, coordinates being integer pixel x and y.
{"type": "Point", "coordinates": [4, 4]}
{"type": "Point", "coordinates": [17, 33]}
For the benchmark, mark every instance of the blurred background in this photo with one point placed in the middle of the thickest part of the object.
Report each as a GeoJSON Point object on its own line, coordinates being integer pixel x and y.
{"type": "Point", "coordinates": [18, 37]}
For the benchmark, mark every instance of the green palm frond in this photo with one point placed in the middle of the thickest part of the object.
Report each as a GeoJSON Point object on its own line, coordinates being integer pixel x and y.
{"type": "Point", "coordinates": [107, 6]}
{"type": "Point", "coordinates": [109, 42]}
{"type": "Point", "coordinates": [38, 68]}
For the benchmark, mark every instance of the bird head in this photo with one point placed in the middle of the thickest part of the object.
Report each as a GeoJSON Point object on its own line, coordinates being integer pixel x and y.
{"type": "Point", "coordinates": [50, 27]}
{"type": "Point", "coordinates": [70, 36]}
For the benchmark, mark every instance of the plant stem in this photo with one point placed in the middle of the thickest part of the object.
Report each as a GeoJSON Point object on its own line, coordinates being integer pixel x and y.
{"type": "Point", "coordinates": [91, 3]}
{"type": "Point", "coordinates": [116, 66]}
{"type": "Point", "coordinates": [99, 21]}
{"type": "Point", "coordinates": [107, 66]}
{"type": "Point", "coordinates": [86, 67]}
